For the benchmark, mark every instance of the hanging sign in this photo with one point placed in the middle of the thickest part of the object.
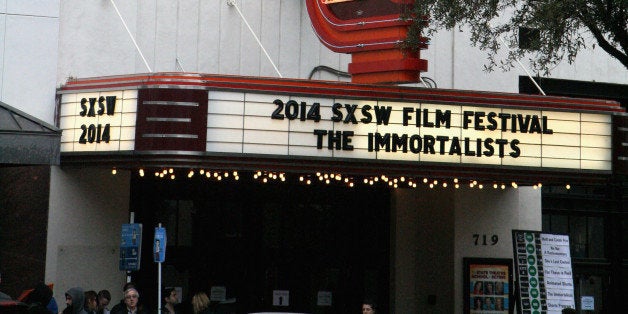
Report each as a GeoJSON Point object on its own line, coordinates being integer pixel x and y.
{"type": "Point", "coordinates": [130, 247]}
{"type": "Point", "coordinates": [159, 245]}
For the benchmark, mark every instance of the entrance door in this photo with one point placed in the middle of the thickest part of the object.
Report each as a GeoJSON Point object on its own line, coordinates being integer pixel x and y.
{"type": "Point", "coordinates": [317, 249]}
{"type": "Point", "coordinates": [590, 291]}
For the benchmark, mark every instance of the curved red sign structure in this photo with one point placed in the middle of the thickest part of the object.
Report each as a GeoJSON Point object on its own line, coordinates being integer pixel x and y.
{"type": "Point", "coordinates": [371, 31]}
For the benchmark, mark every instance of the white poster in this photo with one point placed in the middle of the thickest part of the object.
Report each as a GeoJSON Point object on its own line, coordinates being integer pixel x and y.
{"type": "Point", "coordinates": [544, 273]}
{"type": "Point", "coordinates": [218, 293]}
{"type": "Point", "coordinates": [558, 274]}
{"type": "Point", "coordinates": [588, 303]}
{"type": "Point", "coordinates": [281, 298]}
{"type": "Point", "coordinates": [323, 298]}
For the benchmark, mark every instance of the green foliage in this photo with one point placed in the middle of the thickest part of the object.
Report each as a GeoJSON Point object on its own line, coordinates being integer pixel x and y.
{"type": "Point", "coordinates": [564, 27]}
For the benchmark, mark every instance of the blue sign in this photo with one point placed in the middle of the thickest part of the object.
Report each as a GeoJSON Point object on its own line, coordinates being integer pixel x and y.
{"type": "Point", "coordinates": [130, 247]}
{"type": "Point", "coordinates": [159, 245]}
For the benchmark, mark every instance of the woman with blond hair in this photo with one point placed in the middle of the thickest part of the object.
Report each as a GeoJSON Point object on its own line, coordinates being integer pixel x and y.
{"type": "Point", "coordinates": [200, 303]}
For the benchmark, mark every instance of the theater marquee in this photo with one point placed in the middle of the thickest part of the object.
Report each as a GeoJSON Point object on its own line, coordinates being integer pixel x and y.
{"type": "Point", "coordinates": [330, 121]}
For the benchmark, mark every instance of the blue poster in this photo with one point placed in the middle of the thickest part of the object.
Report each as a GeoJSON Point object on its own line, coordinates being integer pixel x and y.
{"type": "Point", "coordinates": [130, 247]}
{"type": "Point", "coordinates": [159, 245]}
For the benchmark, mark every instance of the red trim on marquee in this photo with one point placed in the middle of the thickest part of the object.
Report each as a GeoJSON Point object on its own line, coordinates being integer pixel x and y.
{"type": "Point", "coordinates": [181, 156]}
{"type": "Point", "coordinates": [332, 89]}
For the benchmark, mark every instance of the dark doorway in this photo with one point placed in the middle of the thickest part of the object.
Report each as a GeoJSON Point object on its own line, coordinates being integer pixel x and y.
{"type": "Point", "coordinates": [327, 245]}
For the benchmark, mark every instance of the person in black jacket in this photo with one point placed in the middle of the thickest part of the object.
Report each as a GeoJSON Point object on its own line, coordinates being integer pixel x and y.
{"type": "Point", "coordinates": [131, 302]}
{"type": "Point", "coordinates": [116, 308]}
{"type": "Point", "coordinates": [104, 297]}
{"type": "Point", "coordinates": [91, 301]}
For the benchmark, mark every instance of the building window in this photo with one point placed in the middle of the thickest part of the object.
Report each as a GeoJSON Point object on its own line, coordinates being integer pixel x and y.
{"type": "Point", "coordinates": [529, 38]}
{"type": "Point", "coordinates": [586, 233]}
{"type": "Point", "coordinates": [624, 236]}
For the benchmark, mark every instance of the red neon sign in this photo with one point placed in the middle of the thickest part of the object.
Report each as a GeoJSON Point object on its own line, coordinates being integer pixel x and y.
{"type": "Point", "coordinates": [371, 31]}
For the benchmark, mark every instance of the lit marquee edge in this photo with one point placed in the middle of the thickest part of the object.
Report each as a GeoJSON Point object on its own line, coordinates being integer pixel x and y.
{"type": "Point", "coordinates": [243, 123]}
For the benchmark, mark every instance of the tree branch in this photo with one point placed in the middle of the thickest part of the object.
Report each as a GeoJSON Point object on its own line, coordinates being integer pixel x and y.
{"type": "Point", "coordinates": [604, 44]}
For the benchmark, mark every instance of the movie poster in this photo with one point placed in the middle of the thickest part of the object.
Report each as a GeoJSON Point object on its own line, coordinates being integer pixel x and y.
{"type": "Point", "coordinates": [488, 286]}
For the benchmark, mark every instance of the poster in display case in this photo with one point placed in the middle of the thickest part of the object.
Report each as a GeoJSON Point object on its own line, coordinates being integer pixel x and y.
{"type": "Point", "coordinates": [487, 285]}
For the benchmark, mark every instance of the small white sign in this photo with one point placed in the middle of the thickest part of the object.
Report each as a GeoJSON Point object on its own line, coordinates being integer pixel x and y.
{"type": "Point", "coordinates": [587, 303]}
{"type": "Point", "coordinates": [324, 298]}
{"type": "Point", "coordinates": [281, 298]}
{"type": "Point", "coordinates": [218, 293]}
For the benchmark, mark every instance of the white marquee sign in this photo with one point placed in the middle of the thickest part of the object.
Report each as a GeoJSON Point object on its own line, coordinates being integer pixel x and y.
{"type": "Point", "coordinates": [249, 123]}
{"type": "Point", "coordinates": [424, 132]}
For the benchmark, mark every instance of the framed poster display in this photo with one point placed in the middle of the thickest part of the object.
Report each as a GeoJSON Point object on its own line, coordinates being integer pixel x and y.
{"type": "Point", "coordinates": [487, 285]}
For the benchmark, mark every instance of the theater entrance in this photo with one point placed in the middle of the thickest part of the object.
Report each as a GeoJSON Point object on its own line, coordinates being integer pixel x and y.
{"type": "Point", "coordinates": [273, 247]}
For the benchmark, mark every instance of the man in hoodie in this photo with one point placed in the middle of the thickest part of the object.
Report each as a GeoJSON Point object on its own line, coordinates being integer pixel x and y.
{"type": "Point", "coordinates": [75, 301]}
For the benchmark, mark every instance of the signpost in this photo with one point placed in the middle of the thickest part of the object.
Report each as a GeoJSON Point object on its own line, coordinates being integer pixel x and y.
{"type": "Point", "coordinates": [159, 256]}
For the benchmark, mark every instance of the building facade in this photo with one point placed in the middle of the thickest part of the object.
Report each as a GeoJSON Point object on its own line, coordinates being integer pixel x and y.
{"type": "Point", "coordinates": [403, 247]}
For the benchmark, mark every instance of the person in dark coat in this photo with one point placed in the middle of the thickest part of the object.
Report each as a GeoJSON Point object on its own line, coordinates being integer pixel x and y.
{"type": "Point", "coordinates": [131, 302]}
{"type": "Point", "coordinates": [91, 302]}
{"type": "Point", "coordinates": [104, 297]}
{"type": "Point", "coordinates": [42, 295]}
{"type": "Point", "coordinates": [116, 308]}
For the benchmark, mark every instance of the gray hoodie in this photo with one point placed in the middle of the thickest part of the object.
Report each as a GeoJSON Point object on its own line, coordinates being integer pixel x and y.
{"type": "Point", "coordinates": [78, 300]}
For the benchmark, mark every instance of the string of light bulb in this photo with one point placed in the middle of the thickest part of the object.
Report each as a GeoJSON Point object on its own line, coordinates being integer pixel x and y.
{"type": "Point", "coordinates": [328, 178]}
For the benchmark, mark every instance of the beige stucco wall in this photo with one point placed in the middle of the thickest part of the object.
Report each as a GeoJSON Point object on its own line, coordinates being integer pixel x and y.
{"type": "Point", "coordinates": [433, 230]}
{"type": "Point", "coordinates": [87, 208]}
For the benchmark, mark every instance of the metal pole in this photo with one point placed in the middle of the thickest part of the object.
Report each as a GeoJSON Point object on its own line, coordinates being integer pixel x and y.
{"type": "Point", "coordinates": [131, 220]}
{"type": "Point", "coordinates": [524, 69]}
{"type": "Point", "coordinates": [159, 285]}
{"type": "Point", "coordinates": [233, 4]}
{"type": "Point", "coordinates": [132, 38]}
